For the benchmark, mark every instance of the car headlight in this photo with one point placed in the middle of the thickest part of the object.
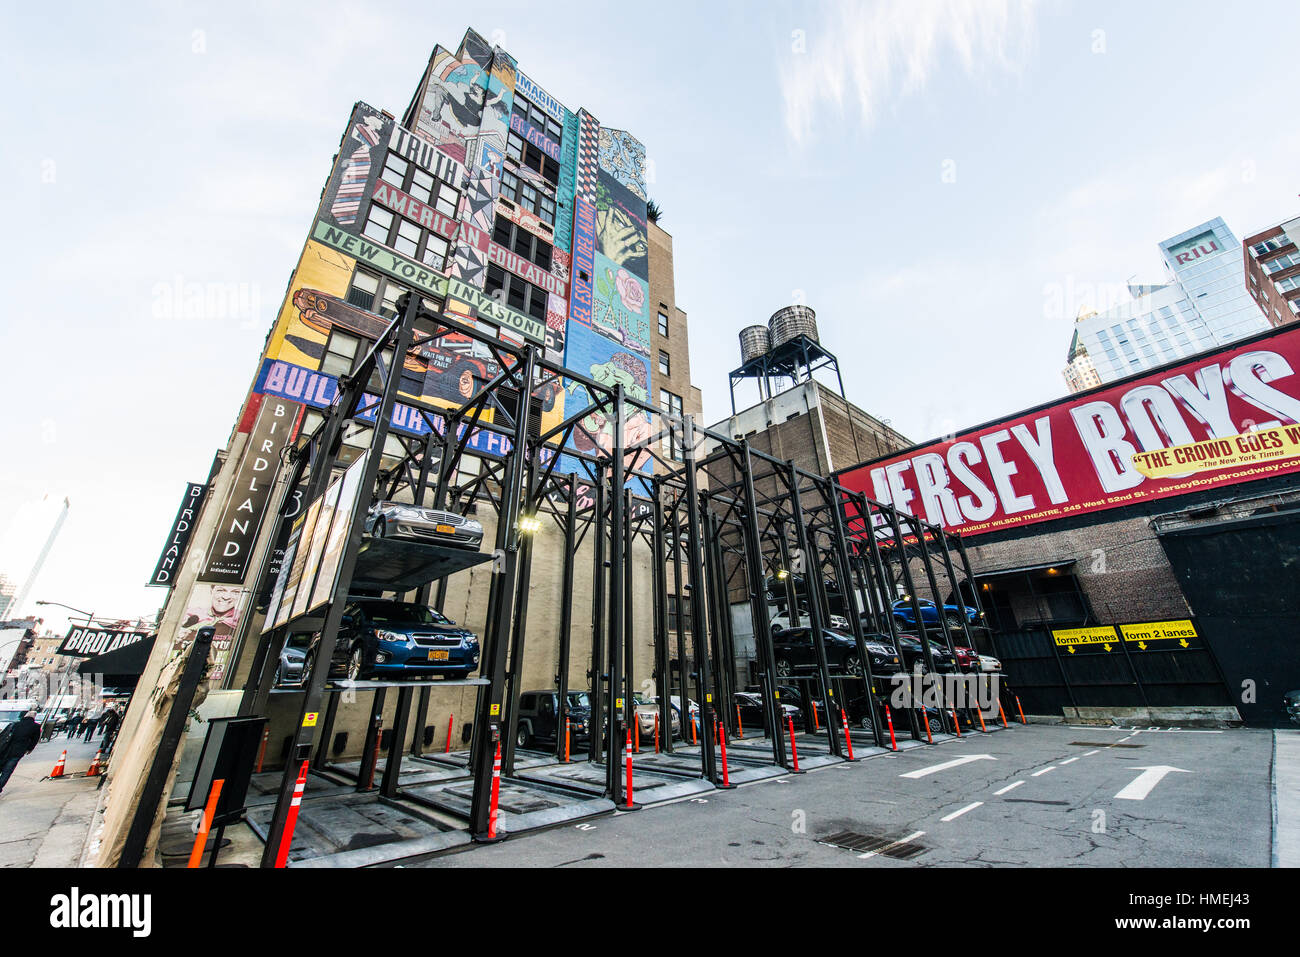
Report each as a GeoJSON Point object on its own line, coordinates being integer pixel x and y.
{"type": "Point", "coordinates": [391, 636]}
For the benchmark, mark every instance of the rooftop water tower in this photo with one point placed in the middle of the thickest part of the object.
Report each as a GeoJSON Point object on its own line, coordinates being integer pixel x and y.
{"type": "Point", "coordinates": [786, 348]}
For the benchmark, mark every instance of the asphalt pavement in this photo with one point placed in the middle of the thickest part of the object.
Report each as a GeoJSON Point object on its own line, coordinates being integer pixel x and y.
{"type": "Point", "coordinates": [1033, 796]}
{"type": "Point", "coordinates": [45, 823]}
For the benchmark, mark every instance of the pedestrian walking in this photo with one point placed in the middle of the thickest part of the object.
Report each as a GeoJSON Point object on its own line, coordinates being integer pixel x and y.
{"type": "Point", "coordinates": [108, 725]}
{"type": "Point", "coordinates": [17, 741]}
{"type": "Point", "coordinates": [89, 724]}
{"type": "Point", "coordinates": [73, 726]}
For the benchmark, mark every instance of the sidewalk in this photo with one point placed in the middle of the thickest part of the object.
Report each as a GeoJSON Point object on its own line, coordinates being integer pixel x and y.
{"type": "Point", "coordinates": [45, 823]}
{"type": "Point", "coordinates": [1286, 798]}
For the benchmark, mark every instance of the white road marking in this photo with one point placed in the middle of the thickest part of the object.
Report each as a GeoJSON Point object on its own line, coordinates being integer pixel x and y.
{"type": "Point", "coordinates": [957, 814]}
{"type": "Point", "coordinates": [1050, 767]}
{"type": "Point", "coordinates": [955, 762]}
{"type": "Point", "coordinates": [1010, 787]}
{"type": "Point", "coordinates": [906, 840]}
{"type": "Point", "coordinates": [1093, 751]}
{"type": "Point", "coordinates": [1141, 786]}
{"type": "Point", "coordinates": [1068, 760]}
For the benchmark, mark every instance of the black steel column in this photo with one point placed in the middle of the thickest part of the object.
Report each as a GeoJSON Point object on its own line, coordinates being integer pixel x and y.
{"type": "Point", "coordinates": [699, 630]}
{"type": "Point", "coordinates": [393, 765]}
{"type": "Point", "coordinates": [919, 526]}
{"type": "Point", "coordinates": [596, 740]}
{"type": "Point", "coordinates": [757, 587]}
{"type": "Point", "coordinates": [519, 634]}
{"type": "Point", "coordinates": [663, 679]}
{"type": "Point", "coordinates": [487, 724]}
{"type": "Point", "coordinates": [566, 615]}
{"type": "Point", "coordinates": [617, 479]}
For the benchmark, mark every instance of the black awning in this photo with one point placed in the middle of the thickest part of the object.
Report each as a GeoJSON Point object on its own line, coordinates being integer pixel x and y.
{"type": "Point", "coordinates": [127, 660]}
{"type": "Point", "coordinates": [1063, 564]}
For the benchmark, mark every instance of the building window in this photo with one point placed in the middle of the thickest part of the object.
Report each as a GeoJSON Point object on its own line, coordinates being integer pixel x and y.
{"type": "Point", "coordinates": [528, 196]}
{"type": "Point", "coordinates": [414, 181]}
{"type": "Point", "coordinates": [518, 294]}
{"type": "Point", "coordinates": [663, 324]}
{"type": "Point", "coordinates": [1280, 263]}
{"type": "Point", "coordinates": [672, 404]}
{"type": "Point", "coordinates": [663, 363]}
{"type": "Point", "coordinates": [535, 116]}
{"type": "Point", "coordinates": [379, 294]}
{"type": "Point", "coordinates": [1268, 245]}
{"type": "Point", "coordinates": [340, 353]}
{"type": "Point", "coordinates": [406, 236]}
{"type": "Point", "coordinates": [526, 154]}
{"type": "Point", "coordinates": [679, 613]}
{"type": "Point", "coordinates": [520, 241]}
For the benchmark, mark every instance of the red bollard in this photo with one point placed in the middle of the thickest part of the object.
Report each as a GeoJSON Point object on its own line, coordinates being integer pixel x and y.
{"type": "Point", "coordinates": [722, 739]}
{"type": "Point", "coordinates": [794, 748]}
{"type": "Point", "coordinates": [1021, 710]}
{"type": "Point", "coordinates": [893, 742]}
{"type": "Point", "coordinates": [656, 732]}
{"type": "Point", "coordinates": [291, 819]}
{"type": "Point", "coordinates": [955, 723]}
{"type": "Point", "coordinates": [629, 767]}
{"type": "Point", "coordinates": [266, 736]}
{"type": "Point", "coordinates": [848, 740]}
{"type": "Point", "coordinates": [636, 726]}
{"type": "Point", "coordinates": [496, 794]}
{"type": "Point", "coordinates": [926, 716]}
{"type": "Point", "coordinates": [450, 718]}
{"type": "Point", "coordinates": [566, 740]}
{"type": "Point", "coordinates": [980, 713]}
{"type": "Point", "coordinates": [1002, 713]}
{"type": "Point", "coordinates": [740, 725]}
{"type": "Point", "coordinates": [374, 761]}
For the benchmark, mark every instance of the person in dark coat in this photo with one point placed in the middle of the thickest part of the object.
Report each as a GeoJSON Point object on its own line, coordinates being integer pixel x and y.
{"type": "Point", "coordinates": [108, 725]}
{"type": "Point", "coordinates": [19, 740]}
{"type": "Point", "coordinates": [89, 722]}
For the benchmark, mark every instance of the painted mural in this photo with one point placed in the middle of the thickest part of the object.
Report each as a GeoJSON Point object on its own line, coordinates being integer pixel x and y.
{"type": "Point", "coordinates": [621, 226]}
{"type": "Point", "coordinates": [452, 108]}
{"type": "Point", "coordinates": [361, 161]}
{"type": "Point", "coordinates": [590, 354]}
{"type": "Point", "coordinates": [623, 157]}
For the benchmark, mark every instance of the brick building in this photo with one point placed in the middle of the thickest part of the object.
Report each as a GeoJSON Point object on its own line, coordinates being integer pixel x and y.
{"type": "Point", "coordinates": [1272, 260]}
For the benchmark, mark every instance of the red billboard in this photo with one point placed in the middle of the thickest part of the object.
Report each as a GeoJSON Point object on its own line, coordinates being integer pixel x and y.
{"type": "Point", "coordinates": [1218, 419]}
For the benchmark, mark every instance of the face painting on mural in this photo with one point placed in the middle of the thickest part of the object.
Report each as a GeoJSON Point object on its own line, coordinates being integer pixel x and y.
{"type": "Point", "coordinates": [1228, 417]}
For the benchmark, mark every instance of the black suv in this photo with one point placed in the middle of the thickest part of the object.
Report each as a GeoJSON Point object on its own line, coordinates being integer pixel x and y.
{"type": "Point", "coordinates": [794, 651]}
{"type": "Point", "coordinates": [539, 717]}
{"type": "Point", "coordinates": [394, 639]}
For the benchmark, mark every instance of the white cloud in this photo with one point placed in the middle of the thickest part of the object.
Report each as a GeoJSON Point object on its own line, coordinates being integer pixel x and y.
{"type": "Point", "coordinates": [865, 55]}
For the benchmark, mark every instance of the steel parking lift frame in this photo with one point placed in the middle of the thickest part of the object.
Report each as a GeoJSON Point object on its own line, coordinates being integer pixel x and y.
{"type": "Point", "coordinates": [723, 518]}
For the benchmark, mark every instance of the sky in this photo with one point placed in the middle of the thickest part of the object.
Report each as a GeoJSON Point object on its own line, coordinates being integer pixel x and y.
{"type": "Point", "coordinates": [945, 182]}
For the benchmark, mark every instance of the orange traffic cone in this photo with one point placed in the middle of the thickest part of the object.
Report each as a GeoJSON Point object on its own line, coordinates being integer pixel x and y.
{"type": "Point", "coordinates": [95, 768]}
{"type": "Point", "coordinates": [58, 765]}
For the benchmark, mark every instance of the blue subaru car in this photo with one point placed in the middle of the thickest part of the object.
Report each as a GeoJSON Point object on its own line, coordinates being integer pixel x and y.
{"type": "Point", "coordinates": [904, 613]}
{"type": "Point", "coordinates": [395, 639]}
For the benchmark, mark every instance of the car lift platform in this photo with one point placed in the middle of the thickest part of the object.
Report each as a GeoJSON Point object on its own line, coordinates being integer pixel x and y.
{"type": "Point", "coordinates": [394, 565]}
{"type": "Point", "coordinates": [368, 685]}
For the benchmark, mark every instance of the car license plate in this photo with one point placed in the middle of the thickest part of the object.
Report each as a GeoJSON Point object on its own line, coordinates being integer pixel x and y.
{"type": "Point", "coordinates": [439, 655]}
{"type": "Point", "coordinates": [447, 529]}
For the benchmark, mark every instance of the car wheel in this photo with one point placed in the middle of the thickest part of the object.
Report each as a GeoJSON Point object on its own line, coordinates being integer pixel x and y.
{"type": "Point", "coordinates": [308, 663]}
{"type": "Point", "coordinates": [864, 722]}
{"type": "Point", "coordinates": [523, 737]}
{"type": "Point", "coordinates": [356, 663]}
{"type": "Point", "coordinates": [279, 676]}
{"type": "Point", "coordinates": [954, 620]}
{"type": "Point", "coordinates": [783, 669]}
{"type": "Point", "coordinates": [381, 527]}
{"type": "Point", "coordinates": [853, 664]}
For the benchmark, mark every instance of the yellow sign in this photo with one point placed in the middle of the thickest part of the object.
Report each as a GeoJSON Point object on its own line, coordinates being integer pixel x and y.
{"type": "Point", "coordinates": [1157, 630]}
{"type": "Point", "coordinates": [495, 710]}
{"type": "Point", "coordinates": [618, 704]}
{"type": "Point", "coordinates": [1247, 448]}
{"type": "Point", "coordinates": [1096, 635]}
{"type": "Point", "coordinates": [309, 719]}
{"type": "Point", "coordinates": [709, 698]}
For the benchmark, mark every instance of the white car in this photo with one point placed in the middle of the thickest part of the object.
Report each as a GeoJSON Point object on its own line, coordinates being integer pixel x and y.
{"type": "Point", "coordinates": [990, 664]}
{"type": "Point", "coordinates": [782, 622]}
{"type": "Point", "coordinates": [647, 710]}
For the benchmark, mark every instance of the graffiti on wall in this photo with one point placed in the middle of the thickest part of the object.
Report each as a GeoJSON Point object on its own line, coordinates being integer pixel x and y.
{"type": "Point", "coordinates": [620, 306]}
{"type": "Point", "coordinates": [452, 108]}
{"type": "Point", "coordinates": [361, 158]}
{"type": "Point", "coordinates": [621, 226]}
{"type": "Point", "coordinates": [591, 355]}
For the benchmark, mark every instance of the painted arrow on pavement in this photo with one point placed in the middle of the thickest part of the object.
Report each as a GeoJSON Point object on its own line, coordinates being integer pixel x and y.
{"type": "Point", "coordinates": [1142, 785]}
{"type": "Point", "coordinates": [932, 769]}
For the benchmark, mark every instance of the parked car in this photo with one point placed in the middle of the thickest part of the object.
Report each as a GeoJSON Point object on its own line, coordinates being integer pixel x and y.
{"type": "Point", "coordinates": [990, 664]}
{"type": "Point", "coordinates": [792, 694]}
{"type": "Point", "coordinates": [414, 523]}
{"type": "Point", "coordinates": [647, 709]}
{"type": "Point", "coordinates": [905, 613]}
{"type": "Point", "coordinates": [795, 652]}
{"type": "Point", "coordinates": [292, 667]}
{"type": "Point", "coordinates": [751, 708]}
{"type": "Point", "coordinates": [859, 713]}
{"type": "Point", "coordinates": [693, 714]}
{"type": "Point", "coordinates": [911, 652]}
{"type": "Point", "coordinates": [539, 717]}
{"type": "Point", "coordinates": [1292, 702]}
{"type": "Point", "coordinates": [968, 659]}
{"type": "Point", "coordinates": [12, 710]}
{"type": "Point", "coordinates": [782, 622]}
{"type": "Point", "coordinates": [393, 639]}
